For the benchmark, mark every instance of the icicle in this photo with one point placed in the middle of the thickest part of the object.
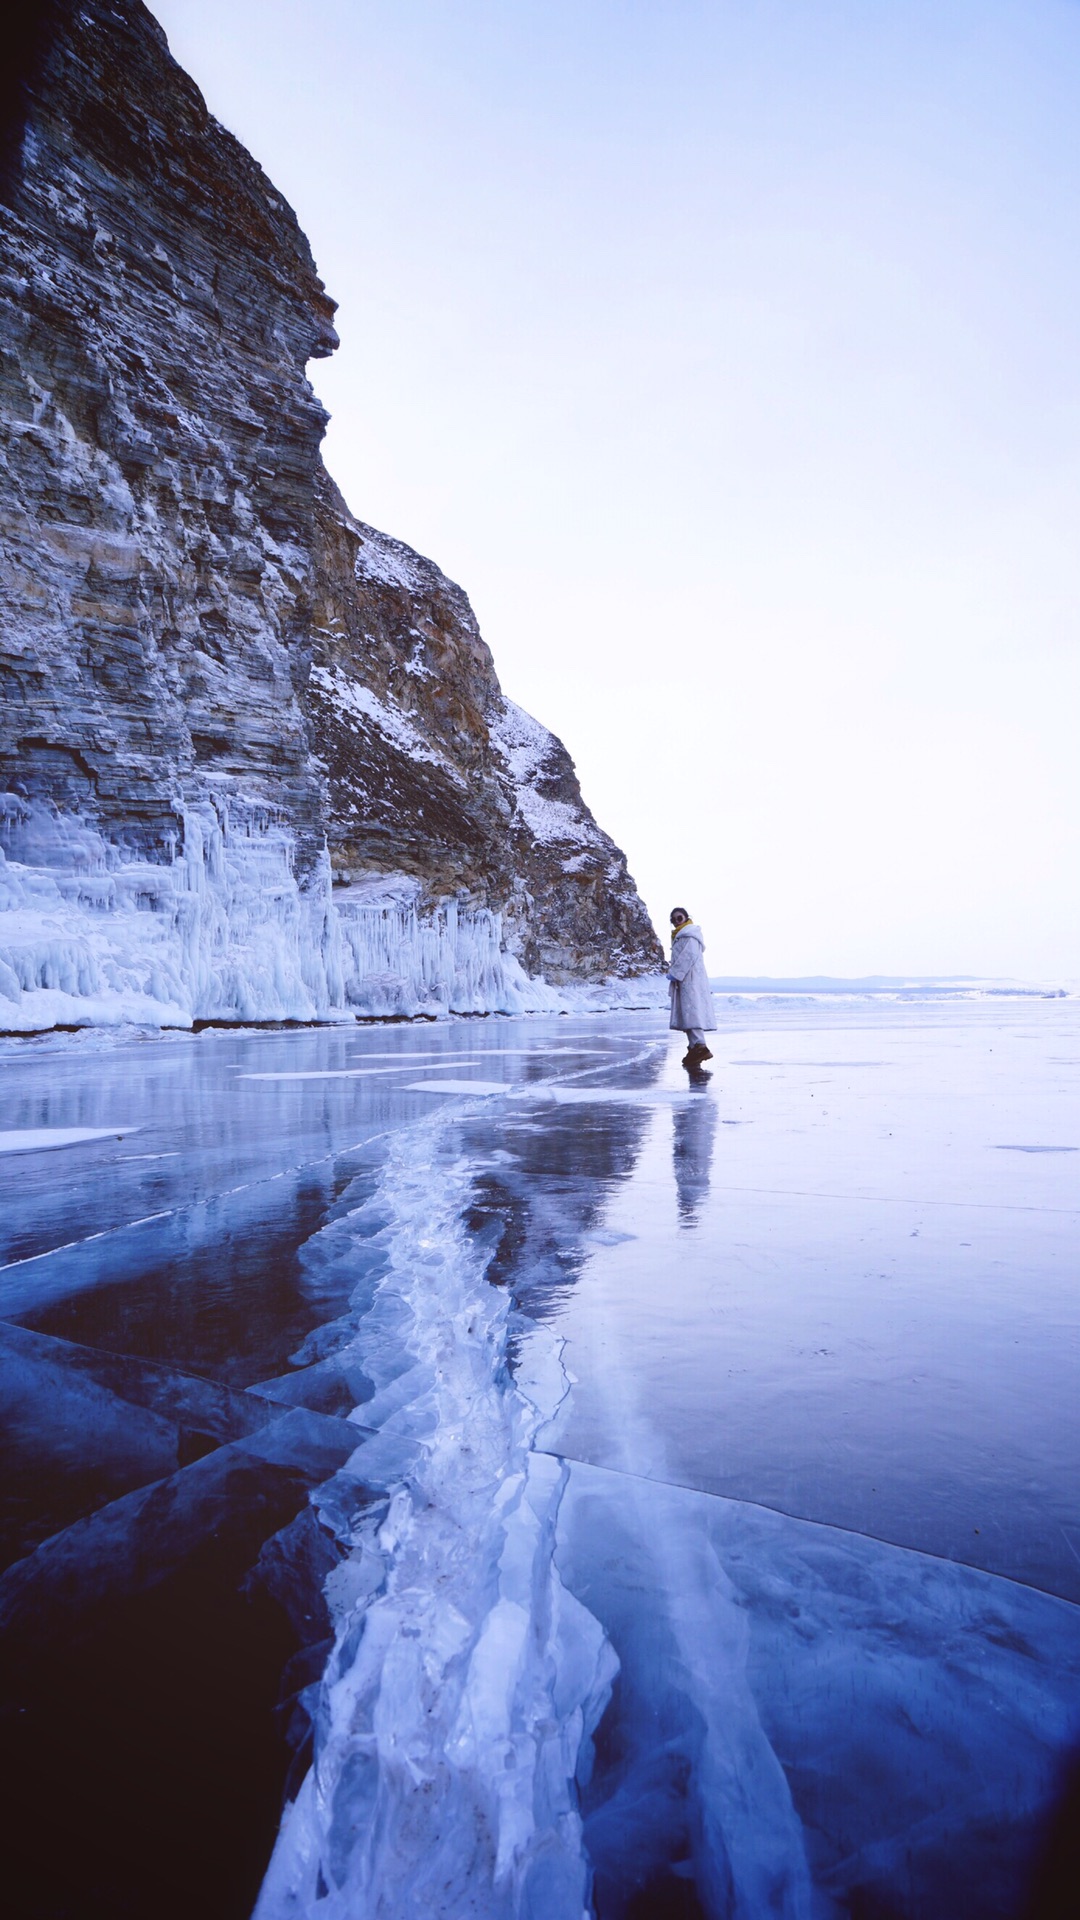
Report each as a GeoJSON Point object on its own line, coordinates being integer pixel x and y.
{"type": "Point", "coordinates": [90, 935]}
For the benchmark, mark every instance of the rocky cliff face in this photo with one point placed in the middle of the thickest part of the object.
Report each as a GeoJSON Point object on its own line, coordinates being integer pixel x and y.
{"type": "Point", "coordinates": [236, 722]}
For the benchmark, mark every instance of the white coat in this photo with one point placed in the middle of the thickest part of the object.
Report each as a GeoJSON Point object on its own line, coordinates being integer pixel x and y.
{"type": "Point", "coordinates": [691, 995]}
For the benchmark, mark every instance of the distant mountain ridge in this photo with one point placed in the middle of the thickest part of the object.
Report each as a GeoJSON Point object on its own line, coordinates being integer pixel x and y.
{"type": "Point", "coordinates": [226, 702]}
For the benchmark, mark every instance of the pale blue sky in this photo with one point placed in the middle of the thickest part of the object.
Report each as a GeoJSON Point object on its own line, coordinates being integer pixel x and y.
{"type": "Point", "coordinates": [727, 355]}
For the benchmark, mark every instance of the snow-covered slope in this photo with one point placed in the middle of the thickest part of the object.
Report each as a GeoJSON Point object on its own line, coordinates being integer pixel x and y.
{"type": "Point", "coordinates": [230, 709]}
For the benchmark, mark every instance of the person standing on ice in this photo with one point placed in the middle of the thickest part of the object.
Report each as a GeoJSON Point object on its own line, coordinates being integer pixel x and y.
{"type": "Point", "coordinates": [691, 995]}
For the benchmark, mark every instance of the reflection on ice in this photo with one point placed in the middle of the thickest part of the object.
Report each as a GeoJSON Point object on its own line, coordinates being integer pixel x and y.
{"type": "Point", "coordinates": [694, 1130]}
{"type": "Point", "coordinates": [219, 1289]}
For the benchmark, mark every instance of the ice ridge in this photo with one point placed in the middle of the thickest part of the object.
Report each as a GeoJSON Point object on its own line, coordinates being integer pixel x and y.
{"type": "Point", "coordinates": [455, 1715]}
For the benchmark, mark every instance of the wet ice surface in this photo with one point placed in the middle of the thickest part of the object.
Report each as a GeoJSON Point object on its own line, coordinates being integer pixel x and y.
{"type": "Point", "coordinates": [838, 1296]}
{"type": "Point", "coordinates": [820, 1321]}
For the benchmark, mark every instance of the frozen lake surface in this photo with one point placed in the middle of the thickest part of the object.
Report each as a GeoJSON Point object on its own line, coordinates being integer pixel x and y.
{"type": "Point", "coordinates": [690, 1469]}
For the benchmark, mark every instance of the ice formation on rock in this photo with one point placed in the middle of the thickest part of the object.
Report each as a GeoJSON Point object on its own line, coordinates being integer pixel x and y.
{"type": "Point", "coordinates": [227, 931]}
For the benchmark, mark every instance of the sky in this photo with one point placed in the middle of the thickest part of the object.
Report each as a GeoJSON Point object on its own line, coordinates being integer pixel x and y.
{"type": "Point", "coordinates": [725, 352]}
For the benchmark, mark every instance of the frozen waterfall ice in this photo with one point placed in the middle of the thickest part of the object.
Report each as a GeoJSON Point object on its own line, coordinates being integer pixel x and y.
{"type": "Point", "coordinates": [223, 929]}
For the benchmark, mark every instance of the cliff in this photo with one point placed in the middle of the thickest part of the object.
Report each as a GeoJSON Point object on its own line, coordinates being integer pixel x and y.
{"type": "Point", "coordinates": [255, 761]}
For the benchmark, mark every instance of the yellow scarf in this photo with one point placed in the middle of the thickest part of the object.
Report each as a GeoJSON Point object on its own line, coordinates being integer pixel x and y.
{"type": "Point", "coordinates": [675, 931]}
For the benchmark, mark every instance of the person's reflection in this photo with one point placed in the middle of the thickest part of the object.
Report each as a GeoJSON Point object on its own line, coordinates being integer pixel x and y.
{"type": "Point", "coordinates": [692, 1146]}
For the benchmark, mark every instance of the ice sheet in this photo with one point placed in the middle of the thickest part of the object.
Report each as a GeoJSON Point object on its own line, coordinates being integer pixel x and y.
{"type": "Point", "coordinates": [579, 1313]}
{"type": "Point", "coordinates": [849, 1727]}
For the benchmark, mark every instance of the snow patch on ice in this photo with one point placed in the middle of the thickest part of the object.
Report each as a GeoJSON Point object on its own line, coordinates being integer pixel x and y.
{"type": "Point", "coordinates": [35, 1139]}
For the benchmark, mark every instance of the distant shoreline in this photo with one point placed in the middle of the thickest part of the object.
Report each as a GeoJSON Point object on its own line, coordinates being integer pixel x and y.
{"type": "Point", "coordinates": [915, 985]}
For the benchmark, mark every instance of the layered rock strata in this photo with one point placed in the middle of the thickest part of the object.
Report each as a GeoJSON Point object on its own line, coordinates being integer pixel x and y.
{"type": "Point", "coordinates": [247, 743]}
